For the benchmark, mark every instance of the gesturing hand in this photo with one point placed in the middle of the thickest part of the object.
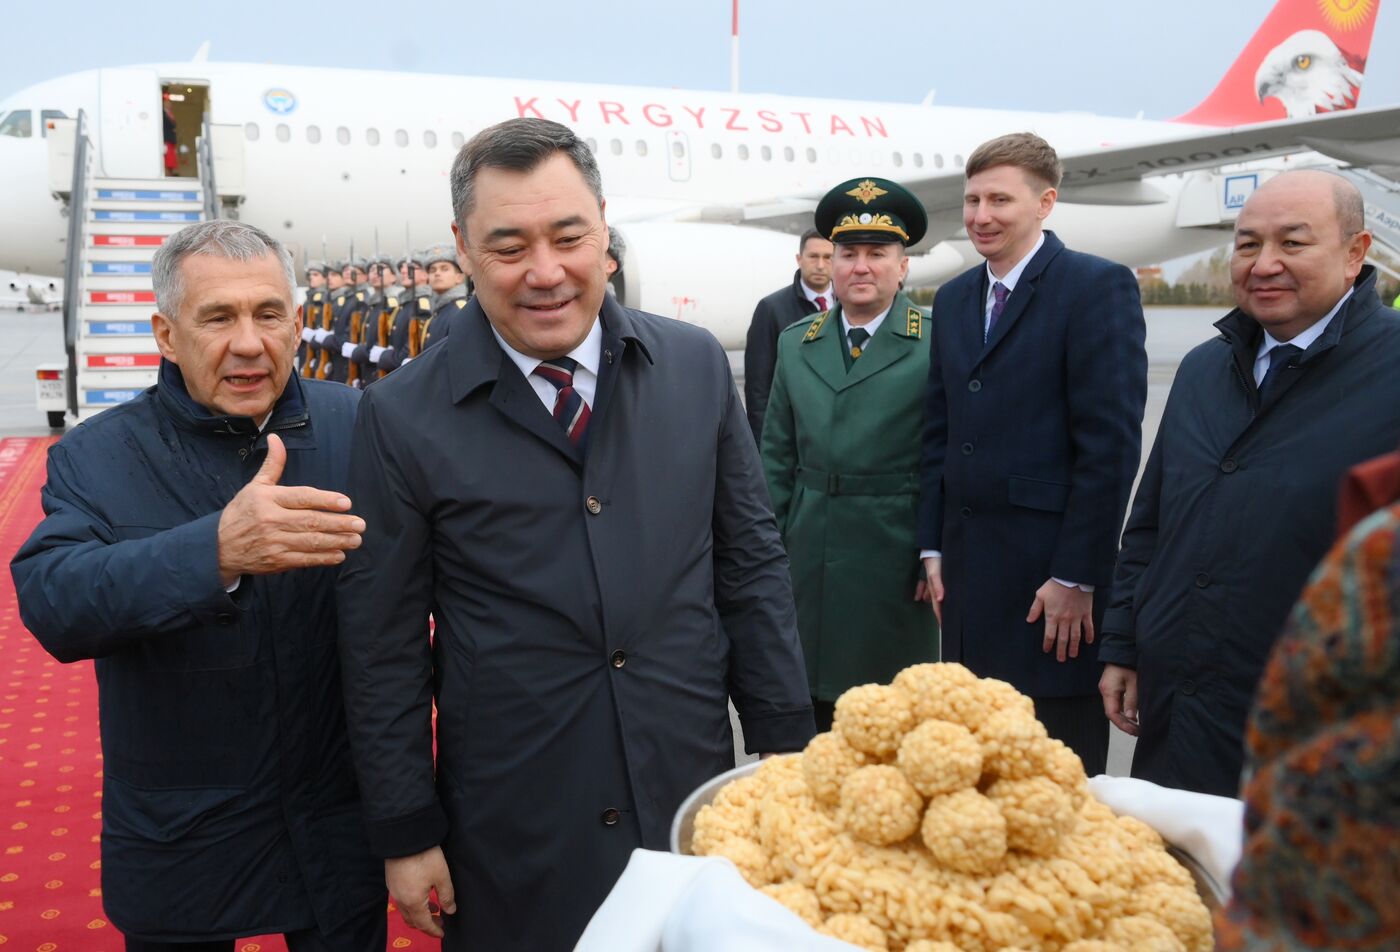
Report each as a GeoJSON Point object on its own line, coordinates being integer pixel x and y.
{"type": "Point", "coordinates": [410, 880]}
{"type": "Point", "coordinates": [268, 528]}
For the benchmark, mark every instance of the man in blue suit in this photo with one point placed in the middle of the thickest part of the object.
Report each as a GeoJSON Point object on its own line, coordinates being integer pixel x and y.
{"type": "Point", "coordinates": [1032, 431]}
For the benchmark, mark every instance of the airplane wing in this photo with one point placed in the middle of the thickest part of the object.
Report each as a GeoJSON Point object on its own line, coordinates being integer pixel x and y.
{"type": "Point", "coordinates": [1114, 175]}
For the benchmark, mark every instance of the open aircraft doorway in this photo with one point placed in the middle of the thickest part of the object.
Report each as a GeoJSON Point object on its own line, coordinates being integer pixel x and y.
{"type": "Point", "coordinates": [184, 104]}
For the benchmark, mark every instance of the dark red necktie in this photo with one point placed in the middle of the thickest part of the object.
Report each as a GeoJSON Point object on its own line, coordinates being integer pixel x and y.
{"type": "Point", "coordinates": [570, 409]}
{"type": "Point", "coordinates": [821, 302]}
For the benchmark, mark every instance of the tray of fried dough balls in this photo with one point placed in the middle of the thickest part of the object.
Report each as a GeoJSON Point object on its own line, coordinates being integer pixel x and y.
{"type": "Point", "coordinates": [938, 816]}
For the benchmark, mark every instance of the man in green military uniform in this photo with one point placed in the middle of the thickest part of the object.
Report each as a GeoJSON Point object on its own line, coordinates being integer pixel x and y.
{"type": "Point", "coordinates": [841, 450]}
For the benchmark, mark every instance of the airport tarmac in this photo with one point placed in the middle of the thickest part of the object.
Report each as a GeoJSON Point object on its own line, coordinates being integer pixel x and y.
{"type": "Point", "coordinates": [37, 337]}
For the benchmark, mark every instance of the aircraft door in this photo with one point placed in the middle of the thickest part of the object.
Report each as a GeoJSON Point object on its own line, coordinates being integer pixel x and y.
{"type": "Point", "coordinates": [129, 117]}
{"type": "Point", "coordinates": [678, 155]}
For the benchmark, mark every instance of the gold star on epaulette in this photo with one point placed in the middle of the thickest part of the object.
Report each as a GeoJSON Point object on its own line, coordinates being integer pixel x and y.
{"type": "Point", "coordinates": [916, 323]}
{"type": "Point", "coordinates": [866, 192]}
{"type": "Point", "coordinates": [816, 327]}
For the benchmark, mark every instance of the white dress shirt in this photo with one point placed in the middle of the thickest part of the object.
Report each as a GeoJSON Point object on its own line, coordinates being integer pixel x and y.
{"type": "Point", "coordinates": [827, 297]}
{"type": "Point", "coordinates": [1008, 281]}
{"type": "Point", "coordinates": [1303, 341]}
{"type": "Point", "coordinates": [870, 326]}
{"type": "Point", "coordinates": [588, 354]}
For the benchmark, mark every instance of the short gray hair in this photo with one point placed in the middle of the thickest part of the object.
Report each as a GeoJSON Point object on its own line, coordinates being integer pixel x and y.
{"type": "Point", "coordinates": [222, 237]}
{"type": "Point", "coordinates": [518, 145]}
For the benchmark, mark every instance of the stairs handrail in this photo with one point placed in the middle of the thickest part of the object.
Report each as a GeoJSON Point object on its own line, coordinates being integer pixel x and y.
{"type": "Point", "coordinates": [72, 267]}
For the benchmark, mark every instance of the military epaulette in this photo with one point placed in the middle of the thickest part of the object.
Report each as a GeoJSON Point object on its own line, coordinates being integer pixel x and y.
{"type": "Point", "coordinates": [424, 304]}
{"type": "Point", "coordinates": [390, 303]}
{"type": "Point", "coordinates": [360, 296]}
{"type": "Point", "coordinates": [816, 327]}
{"type": "Point", "coordinates": [340, 300]}
{"type": "Point", "coordinates": [461, 303]}
{"type": "Point", "coordinates": [314, 297]}
{"type": "Point", "coordinates": [916, 323]}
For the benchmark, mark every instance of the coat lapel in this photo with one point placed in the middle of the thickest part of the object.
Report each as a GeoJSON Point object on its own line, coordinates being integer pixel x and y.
{"type": "Point", "coordinates": [893, 341]}
{"type": "Point", "coordinates": [1023, 292]}
{"type": "Point", "coordinates": [820, 351]}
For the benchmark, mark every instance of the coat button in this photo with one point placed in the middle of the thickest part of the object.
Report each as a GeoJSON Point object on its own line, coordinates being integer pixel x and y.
{"type": "Point", "coordinates": [610, 817]}
{"type": "Point", "coordinates": [593, 505]}
{"type": "Point", "coordinates": [618, 658]}
{"type": "Point", "coordinates": [965, 512]}
{"type": "Point", "coordinates": [974, 385]}
{"type": "Point", "coordinates": [1188, 687]}
{"type": "Point", "coordinates": [1202, 580]}
{"type": "Point", "coordinates": [967, 449]}
{"type": "Point", "coordinates": [1228, 466]}
{"type": "Point", "coordinates": [223, 618]}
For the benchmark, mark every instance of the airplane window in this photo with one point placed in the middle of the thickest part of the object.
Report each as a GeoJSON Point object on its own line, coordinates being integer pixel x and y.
{"type": "Point", "coordinates": [251, 131]}
{"type": "Point", "coordinates": [17, 124]}
{"type": "Point", "coordinates": [918, 160]}
{"type": "Point", "coordinates": [898, 160]}
{"type": "Point", "coordinates": [788, 154]}
{"type": "Point", "coordinates": [641, 147]}
{"type": "Point", "coordinates": [678, 149]}
{"type": "Point", "coordinates": [716, 150]}
{"type": "Point", "coordinates": [938, 160]}
{"type": "Point", "coordinates": [812, 155]}
{"type": "Point", "coordinates": [767, 153]}
{"type": "Point", "coordinates": [342, 135]}
{"type": "Point", "coordinates": [401, 137]}
{"type": "Point", "coordinates": [45, 116]}
{"type": "Point", "coordinates": [744, 152]}
{"type": "Point", "coordinates": [430, 138]}
{"type": "Point", "coordinates": [958, 160]}
{"type": "Point", "coordinates": [459, 140]}
{"type": "Point", "coordinates": [284, 134]}
{"type": "Point", "coordinates": [592, 145]}
{"type": "Point", "coordinates": [313, 134]}
{"type": "Point", "coordinates": [372, 136]}
{"type": "Point", "coordinates": [615, 147]}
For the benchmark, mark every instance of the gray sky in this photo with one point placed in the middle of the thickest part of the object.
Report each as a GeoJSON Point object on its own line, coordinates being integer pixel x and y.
{"type": "Point", "coordinates": [1106, 56]}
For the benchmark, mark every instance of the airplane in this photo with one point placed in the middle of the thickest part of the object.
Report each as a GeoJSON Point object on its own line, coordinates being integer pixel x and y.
{"type": "Point", "coordinates": [30, 292]}
{"type": "Point", "coordinates": [707, 188]}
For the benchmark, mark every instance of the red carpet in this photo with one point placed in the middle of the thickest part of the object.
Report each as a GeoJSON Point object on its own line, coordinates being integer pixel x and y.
{"type": "Point", "coordinates": [51, 767]}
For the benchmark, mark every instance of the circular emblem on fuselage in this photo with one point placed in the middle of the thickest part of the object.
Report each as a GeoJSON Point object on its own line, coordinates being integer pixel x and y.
{"type": "Point", "coordinates": [280, 101]}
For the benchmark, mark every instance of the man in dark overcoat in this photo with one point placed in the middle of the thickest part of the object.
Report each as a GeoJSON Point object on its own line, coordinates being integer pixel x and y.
{"type": "Point", "coordinates": [1032, 432]}
{"type": "Point", "coordinates": [206, 592]}
{"type": "Point", "coordinates": [809, 293]}
{"type": "Point", "coordinates": [570, 488]}
{"type": "Point", "coordinates": [1239, 498]}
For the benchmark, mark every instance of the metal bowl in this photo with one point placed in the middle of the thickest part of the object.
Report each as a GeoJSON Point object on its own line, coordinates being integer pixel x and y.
{"type": "Point", "coordinates": [683, 829]}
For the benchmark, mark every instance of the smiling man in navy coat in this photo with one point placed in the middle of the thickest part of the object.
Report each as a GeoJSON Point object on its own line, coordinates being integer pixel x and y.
{"type": "Point", "coordinates": [570, 487]}
{"type": "Point", "coordinates": [1032, 433]}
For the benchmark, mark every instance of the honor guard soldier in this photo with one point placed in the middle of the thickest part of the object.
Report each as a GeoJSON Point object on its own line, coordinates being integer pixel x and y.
{"type": "Point", "coordinates": [344, 307]}
{"type": "Point", "coordinates": [841, 450]}
{"type": "Point", "coordinates": [310, 311]}
{"type": "Point", "coordinates": [336, 292]}
{"type": "Point", "coordinates": [449, 288]}
{"type": "Point", "coordinates": [395, 327]}
{"type": "Point", "coordinates": [364, 333]}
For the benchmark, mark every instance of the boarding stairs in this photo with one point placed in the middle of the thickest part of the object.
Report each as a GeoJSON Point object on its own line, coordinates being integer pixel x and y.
{"type": "Point", "coordinates": [124, 222]}
{"type": "Point", "coordinates": [1381, 196]}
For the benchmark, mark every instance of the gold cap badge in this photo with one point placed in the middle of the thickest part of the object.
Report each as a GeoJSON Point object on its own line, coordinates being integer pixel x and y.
{"type": "Point", "coordinates": [866, 192]}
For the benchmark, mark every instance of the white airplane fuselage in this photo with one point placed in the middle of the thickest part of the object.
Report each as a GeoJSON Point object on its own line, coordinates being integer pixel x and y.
{"type": "Point", "coordinates": [340, 155]}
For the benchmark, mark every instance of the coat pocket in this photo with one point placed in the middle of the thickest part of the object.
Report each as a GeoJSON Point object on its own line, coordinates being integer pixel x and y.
{"type": "Point", "coordinates": [163, 815]}
{"type": "Point", "coordinates": [1042, 494]}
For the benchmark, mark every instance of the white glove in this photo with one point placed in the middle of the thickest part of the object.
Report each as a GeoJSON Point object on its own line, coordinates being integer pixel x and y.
{"type": "Point", "coordinates": [347, 350]}
{"type": "Point", "coordinates": [375, 353]}
{"type": "Point", "coordinates": [408, 360]}
{"type": "Point", "coordinates": [307, 333]}
{"type": "Point", "coordinates": [321, 336]}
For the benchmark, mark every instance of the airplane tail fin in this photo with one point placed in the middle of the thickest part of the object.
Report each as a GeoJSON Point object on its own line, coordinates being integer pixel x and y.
{"type": "Point", "coordinates": [1307, 57]}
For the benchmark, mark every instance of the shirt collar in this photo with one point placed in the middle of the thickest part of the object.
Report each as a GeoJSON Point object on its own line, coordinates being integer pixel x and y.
{"type": "Point", "coordinates": [1305, 339]}
{"type": "Point", "coordinates": [870, 326]}
{"type": "Point", "coordinates": [1011, 277]}
{"type": "Point", "coordinates": [588, 353]}
{"type": "Point", "coordinates": [813, 295]}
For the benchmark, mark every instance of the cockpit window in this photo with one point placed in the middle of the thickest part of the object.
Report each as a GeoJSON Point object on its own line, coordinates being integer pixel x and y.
{"type": "Point", "coordinates": [44, 117]}
{"type": "Point", "coordinates": [19, 123]}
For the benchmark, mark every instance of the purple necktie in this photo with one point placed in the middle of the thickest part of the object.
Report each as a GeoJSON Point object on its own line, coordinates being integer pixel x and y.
{"type": "Point", "coordinates": [1000, 293]}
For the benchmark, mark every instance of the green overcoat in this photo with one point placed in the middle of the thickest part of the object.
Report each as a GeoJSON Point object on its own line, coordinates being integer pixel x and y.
{"type": "Point", "coordinates": [841, 456]}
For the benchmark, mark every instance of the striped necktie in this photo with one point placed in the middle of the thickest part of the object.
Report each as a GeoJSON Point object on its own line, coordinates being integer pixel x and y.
{"type": "Point", "coordinates": [570, 409]}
